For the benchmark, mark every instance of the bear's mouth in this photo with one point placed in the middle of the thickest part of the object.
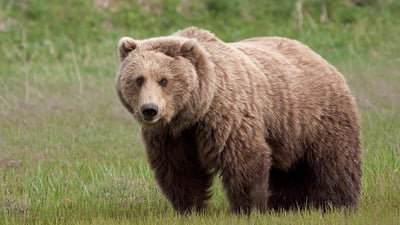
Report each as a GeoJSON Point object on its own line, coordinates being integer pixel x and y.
{"type": "Point", "coordinates": [150, 120]}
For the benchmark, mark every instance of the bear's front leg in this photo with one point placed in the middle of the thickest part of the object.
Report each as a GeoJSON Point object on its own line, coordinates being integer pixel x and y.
{"type": "Point", "coordinates": [246, 176]}
{"type": "Point", "coordinates": [178, 171]}
{"type": "Point", "coordinates": [187, 190]}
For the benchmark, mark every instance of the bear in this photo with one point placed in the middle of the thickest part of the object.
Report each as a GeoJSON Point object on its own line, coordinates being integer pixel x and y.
{"type": "Point", "coordinates": [271, 117]}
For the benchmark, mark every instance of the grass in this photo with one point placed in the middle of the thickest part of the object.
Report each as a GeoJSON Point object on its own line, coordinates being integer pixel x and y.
{"type": "Point", "coordinates": [71, 154]}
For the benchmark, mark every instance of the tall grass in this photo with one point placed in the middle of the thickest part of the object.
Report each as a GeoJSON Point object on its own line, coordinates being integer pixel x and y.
{"type": "Point", "coordinates": [70, 153]}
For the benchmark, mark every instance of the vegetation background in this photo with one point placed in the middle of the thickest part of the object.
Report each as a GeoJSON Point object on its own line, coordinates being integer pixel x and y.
{"type": "Point", "coordinates": [70, 153]}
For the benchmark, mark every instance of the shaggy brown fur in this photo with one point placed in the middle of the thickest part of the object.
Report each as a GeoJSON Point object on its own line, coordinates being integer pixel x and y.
{"type": "Point", "coordinates": [271, 115]}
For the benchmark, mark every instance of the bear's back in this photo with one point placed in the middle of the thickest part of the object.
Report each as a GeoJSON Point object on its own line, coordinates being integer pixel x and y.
{"type": "Point", "coordinates": [305, 87]}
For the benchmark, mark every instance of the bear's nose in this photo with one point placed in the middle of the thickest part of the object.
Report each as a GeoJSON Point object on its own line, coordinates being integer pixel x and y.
{"type": "Point", "coordinates": [149, 110]}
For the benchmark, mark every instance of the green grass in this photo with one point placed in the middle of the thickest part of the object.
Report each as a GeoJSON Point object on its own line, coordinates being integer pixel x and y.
{"type": "Point", "coordinates": [71, 154]}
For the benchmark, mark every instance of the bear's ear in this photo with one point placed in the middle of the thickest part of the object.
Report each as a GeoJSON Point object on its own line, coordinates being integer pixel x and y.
{"type": "Point", "coordinates": [191, 50]}
{"type": "Point", "coordinates": [125, 46]}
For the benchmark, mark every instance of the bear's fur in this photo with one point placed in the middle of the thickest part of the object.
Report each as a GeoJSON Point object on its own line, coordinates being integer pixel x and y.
{"type": "Point", "coordinates": [274, 118]}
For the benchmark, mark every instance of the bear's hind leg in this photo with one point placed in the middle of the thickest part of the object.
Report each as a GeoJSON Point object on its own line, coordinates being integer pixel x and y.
{"type": "Point", "coordinates": [334, 157]}
{"type": "Point", "coordinates": [336, 179]}
{"type": "Point", "coordinates": [322, 181]}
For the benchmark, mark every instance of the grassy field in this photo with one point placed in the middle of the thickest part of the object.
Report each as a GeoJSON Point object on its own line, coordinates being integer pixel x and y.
{"type": "Point", "coordinates": [71, 154]}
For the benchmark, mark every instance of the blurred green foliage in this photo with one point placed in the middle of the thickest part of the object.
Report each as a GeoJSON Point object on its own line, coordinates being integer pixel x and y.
{"type": "Point", "coordinates": [336, 29]}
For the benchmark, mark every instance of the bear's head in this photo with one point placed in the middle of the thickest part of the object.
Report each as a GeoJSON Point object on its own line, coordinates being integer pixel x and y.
{"type": "Point", "coordinates": [160, 80]}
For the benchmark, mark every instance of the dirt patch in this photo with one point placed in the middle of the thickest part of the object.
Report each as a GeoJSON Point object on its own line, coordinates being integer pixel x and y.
{"type": "Point", "coordinates": [13, 206]}
{"type": "Point", "coordinates": [7, 163]}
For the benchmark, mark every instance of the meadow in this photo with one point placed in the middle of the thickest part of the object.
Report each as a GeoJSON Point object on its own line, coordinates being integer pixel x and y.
{"type": "Point", "coordinates": [71, 154]}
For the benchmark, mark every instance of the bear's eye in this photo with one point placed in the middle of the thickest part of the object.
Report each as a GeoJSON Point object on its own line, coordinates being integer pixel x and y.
{"type": "Point", "coordinates": [139, 81]}
{"type": "Point", "coordinates": [163, 82]}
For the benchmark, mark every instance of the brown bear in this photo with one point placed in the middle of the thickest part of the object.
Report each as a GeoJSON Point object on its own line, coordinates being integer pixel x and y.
{"type": "Point", "coordinates": [273, 118]}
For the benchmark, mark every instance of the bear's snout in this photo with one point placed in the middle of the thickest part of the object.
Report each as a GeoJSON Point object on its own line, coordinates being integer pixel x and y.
{"type": "Point", "coordinates": [149, 111]}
